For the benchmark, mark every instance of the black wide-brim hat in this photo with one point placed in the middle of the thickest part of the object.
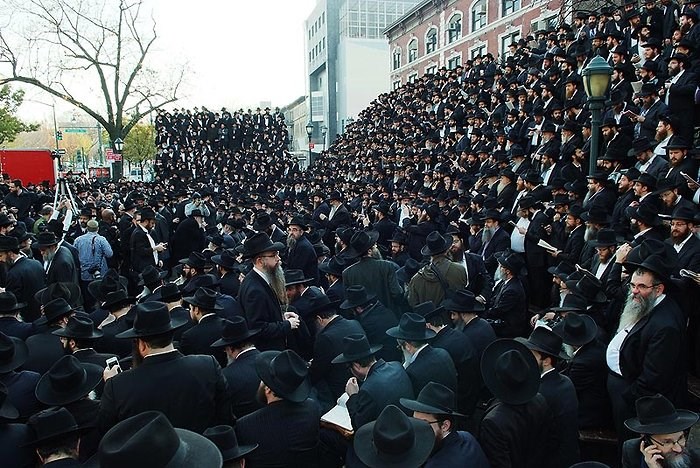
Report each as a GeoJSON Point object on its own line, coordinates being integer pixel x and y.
{"type": "Point", "coordinates": [291, 365]}
{"type": "Point", "coordinates": [95, 287]}
{"type": "Point", "coordinates": [151, 277]}
{"type": "Point", "coordinates": [12, 358]}
{"type": "Point", "coordinates": [56, 422]}
{"type": "Point", "coordinates": [224, 437]}
{"type": "Point", "coordinates": [235, 331]}
{"type": "Point", "coordinates": [69, 291]}
{"type": "Point", "coordinates": [436, 244]}
{"type": "Point", "coordinates": [434, 398]}
{"type": "Point", "coordinates": [407, 442]}
{"type": "Point", "coordinates": [259, 243]}
{"type": "Point", "coordinates": [536, 342]}
{"type": "Point", "coordinates": [510, 371]}
{"type": "Point", "coordinates": [355, 348]}
{"type": "Point", "coordinates": [68, 380]}
{"type": "Point", "coordinates": [576, 329]}
{"type": "Point", "coordinates": [7, 409]}
{"type": "Point", "coordinates": [151, 320]}
{"type": "Point", "coordinates": [411, 327]}
{"type": "Point", "coordinates": [657, 415]}
{"type": "Point", "coordinates": [360, 243]}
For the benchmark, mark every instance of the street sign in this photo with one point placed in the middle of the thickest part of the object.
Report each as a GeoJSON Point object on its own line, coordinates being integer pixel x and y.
{"type": "Point", "coordinates": [75, 130]}
{"type": "Point", "coordinates": [110, 155]}
{"type": "Point", "coordinates": [61, 151]}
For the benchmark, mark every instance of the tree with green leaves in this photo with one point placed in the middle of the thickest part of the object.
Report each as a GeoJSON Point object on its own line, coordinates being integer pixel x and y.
{"type": "Point", "coordinates": [139, 146]}
{"type": "Point", "coordinates": [10, 125]}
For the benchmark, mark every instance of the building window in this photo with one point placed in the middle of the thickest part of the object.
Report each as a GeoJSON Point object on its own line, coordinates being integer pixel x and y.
{"type": "Point", "coordinates": [412, 78]}
{"type": "Point", "coordinates": [454, 26]}
{"type": "Point", "coordinates": [431, 70]}
{"type": "Point", "coordinates": [431, 40]}
{"type": "Point", "coordinates": [478, 50]}
{"type": "Point", "coordinates": [412, 50]}
{"type": "Point", "coordinates": [509, 6]}
{"type": "Point", "coordinates": [507, 40]}
{"type": "Point", "coordinates": [396, 85]}
{"type": "Point", "coordinates": [479, 17]}
{"type": "Point", "coordinates": [396, 59]}
{"type": "Point", "coordinates": [454, 62]}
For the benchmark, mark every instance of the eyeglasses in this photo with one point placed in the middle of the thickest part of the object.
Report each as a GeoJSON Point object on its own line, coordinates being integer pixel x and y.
{"type": "Point", "coordinates": [669, 444]}
{"type": "Point", "coordinates": [642, 287]}
{"type": "Point", "coordinates": [270, 256]}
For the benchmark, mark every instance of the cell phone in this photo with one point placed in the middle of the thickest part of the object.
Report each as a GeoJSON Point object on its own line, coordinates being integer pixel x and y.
{"type": "Point", "coordinates": [112, 363]}
{"type": "Point", "coordinates": [688, 178]}
{"type": "Point", "coordinates": [512, 223]}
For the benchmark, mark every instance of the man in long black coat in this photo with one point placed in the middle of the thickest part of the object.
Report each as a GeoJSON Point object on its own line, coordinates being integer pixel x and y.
{"type": "Point", "coordinates": [188, 237]}
{"type": "Point", "coordinates": [301, 255]}
{"type": "Point", "coordinates": [208, 326]}
{"type": "Point", "coordinates": [25, 277]}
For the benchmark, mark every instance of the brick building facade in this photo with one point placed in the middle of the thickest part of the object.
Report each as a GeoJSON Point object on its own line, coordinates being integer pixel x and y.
{"type": "Point", "coordinates": [447, 33]}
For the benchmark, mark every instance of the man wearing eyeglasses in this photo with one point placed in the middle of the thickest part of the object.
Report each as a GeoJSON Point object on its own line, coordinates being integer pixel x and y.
{"type": "Point", "coordinates": [646, 356]}
{"type": "Point", "coordinates": [663, 436]}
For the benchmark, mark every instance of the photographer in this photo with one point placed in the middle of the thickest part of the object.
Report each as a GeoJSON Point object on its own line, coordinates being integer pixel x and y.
{"type": "Point", "coordinates": [94, 250]}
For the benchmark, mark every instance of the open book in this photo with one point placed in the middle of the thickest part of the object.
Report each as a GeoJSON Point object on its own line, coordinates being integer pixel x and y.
{"type": "Point", "coordinates": [547, 246]}
{"type": "Point", "coordinates": [338, 415]}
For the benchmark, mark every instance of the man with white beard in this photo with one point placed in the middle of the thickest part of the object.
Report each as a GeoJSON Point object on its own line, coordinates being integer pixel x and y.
{"type": "Point", "coordinates": [263, 293]}
{"type": "Point", "coordinates": [646, 355]}
{"type": "Point", "coordinates": [664, 434]}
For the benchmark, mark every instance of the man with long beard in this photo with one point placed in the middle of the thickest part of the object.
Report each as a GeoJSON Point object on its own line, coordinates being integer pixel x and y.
{"type": "Point", "coordinates": [646, 355]}
{"type": "Point", "coordinates": [263, 293]}
{"type": "Point", "coordinates": [300, 253]}
{"type": "Point", "coordinates": [664, 434]}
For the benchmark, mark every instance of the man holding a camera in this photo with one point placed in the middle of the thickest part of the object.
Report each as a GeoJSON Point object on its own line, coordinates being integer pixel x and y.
{"type": "Point", "coordinates": [94, 250]}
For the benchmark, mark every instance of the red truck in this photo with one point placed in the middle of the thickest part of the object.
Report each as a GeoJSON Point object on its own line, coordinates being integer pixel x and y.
{"type": "Point", "coordinates": [28, 165]}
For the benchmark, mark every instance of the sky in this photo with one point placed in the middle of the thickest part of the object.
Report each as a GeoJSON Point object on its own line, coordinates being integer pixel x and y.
{"type": "Point", "coordinates": [239, 53]}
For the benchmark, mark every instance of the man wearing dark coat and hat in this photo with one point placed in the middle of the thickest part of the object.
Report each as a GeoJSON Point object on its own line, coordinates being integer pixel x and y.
{"type": "Point", "coordinates": [143, 248]}
{"type": "Point", "coordinates": [300, 253]}
{"type": "Point", "coordinates": [189, 236]}
{"type": "Point", "coordinates": [25, 277]}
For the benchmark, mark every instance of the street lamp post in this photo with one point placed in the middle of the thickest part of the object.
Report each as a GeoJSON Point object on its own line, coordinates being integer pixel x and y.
{"type": "Point", "coordinates": [118, 145]}
{"type": "Point", "coordinates": [596, 81]}
{"type": "Point", "coordinates": [324, 131]}
{"type": "Point", "coordinates": [309, 131]}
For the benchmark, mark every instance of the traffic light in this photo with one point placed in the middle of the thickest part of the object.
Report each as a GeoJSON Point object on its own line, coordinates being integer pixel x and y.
{"type": "Point", "coordinates": [59, 135]}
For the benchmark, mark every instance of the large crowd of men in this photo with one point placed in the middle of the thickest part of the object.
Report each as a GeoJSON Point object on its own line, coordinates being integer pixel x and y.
{"type": "Point", "coordinates": [448, 277]}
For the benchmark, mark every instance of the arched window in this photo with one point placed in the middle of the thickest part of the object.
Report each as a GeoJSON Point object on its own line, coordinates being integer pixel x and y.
{"type": "Point", "coordinates": [454, 28]}
{"type": "Point", "coordinates": [412, 50]}
{"type": "Point", "coordinates": [431, 40]}
{"type": "Point", "coordinates": [396, 59]}
{"type": "Point", "coordinates": [479, 16]}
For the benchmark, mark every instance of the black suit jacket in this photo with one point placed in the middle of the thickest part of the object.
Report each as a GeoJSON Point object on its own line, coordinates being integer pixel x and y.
{"type": "Point", "coordinates": [13, 450]}
{"type": "Point", "coordinates": [10, 326]}
{"type": "Point", "coordinates": [588, 371]}
{"type": "Point", "coordinates": [509, 305]}
{"type": "Point", "coordinates": [574, 245]}
{"type": "Point", "coordinates": [303, 258]}
{"type": "Point", "coordinates": [498, 243]}
{"type": "Point", "coordinates": [198, 339]}
{"type": "Point", "coordinates": [632, 457]}
{"type": "Point", "coordinates": [229, 284]}
{"type": "Point", "coordinates": [243, 382]}
{"type": "Point", "coordinates": [20, 391]}
{"type": "Point", "coordinates": [111, 345]}
{"type": "Point", "coordinates": [479, 281]}
{"type": "Point", "coordinates": [432, 365]}
{"type": "Point", "coordinates": [386, 384]}
{"type": "Point", "coordinates": [189, 390]}
{"type": "Point", "coordinates": [281, 429]}
{"type": "Point", "coordinates": [141, 250]}
{"type": "Point", "coordinates": [261, 309]}
{"type": "Point", "coordinates": [534, 254]}
{"type": "Point", "coordinates": [62, 268]}
{"type": "Point", "coordinates": [375, 321]}
{"type": "Point", "coordinates": [560, 394]}
{"type": "Point", "coordinates": [467, 363]}
{"type": "Point", "coordinates": [24, 279]}
{"type": "Point", "coordinates": [44, 350]}
{"type": "Point", "coordinates": [330, 379]}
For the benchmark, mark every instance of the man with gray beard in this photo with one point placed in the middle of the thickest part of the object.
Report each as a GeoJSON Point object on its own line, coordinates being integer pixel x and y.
{"type": "Point", "coordinates": [646, 354]}
{"type": "Point", "coordinates": [300, 253]}
{"type": "Point", "coordinates": [495, 240]}
{"type": "Point", "coordinates": [263, 293]}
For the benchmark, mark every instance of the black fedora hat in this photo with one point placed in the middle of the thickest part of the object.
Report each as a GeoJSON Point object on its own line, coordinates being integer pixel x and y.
{"type": "Point", "coordinates": [360, 243]}
{"type": "Point", "coordinates": [513, 261]}
{"type": "Point", "coordinates": [355, 348]}
{"type": "Point", "coordinates": [435, 244]}
{"type": "Point", "coordinates": [7, 410]}
{"type": "Point", "coordinates": [151, 275]}
{"type": "Point", "coordinates": [544, 341]}
{"type": "Point", "coordinates": [435, 398]}
{"type": "Point", "coordinates": [321, 303]}
{"type": "Point", "coordinates": [13, 353]}
{"type": "Point", "coordinates": [226, 259]}
{"type": "Point", "coordinates": [68, 380]}
{"type": "Point", "coordinates": [576, 329]}
{"type": "Point", "coordinates": [596, 215]}
{"type": "Point", "coordinates": [411, 327]}
{"type": "Point", "coordinates": [335, 195]}
{"type": "Point", "coordinates": [408, 270]}
{"type": "Point", "coordinates": [169, 292]}
{"type": "Point", "coordinates": [399, 237]}
{"type": "Point", "coordinates": [259, 243]}
{"type": "Point", "coordinates": [298, 220]}
{"type": "Point", "coordinates": [80, 327]}
{"type": "Point", "coordinates": [644, 212]}
{"type": "Point", "coordinates": [293, 277]}
{"type": "Point", "coordinates": [262, 221]}
{"type": "Point", "coordinates": [149, 438]}
{"type": "Point", "coordinates": [235, 331]}
{"type": "Point", "coordinates": [148, 213]}
{"type": "Point", "coordinates": [589, 287]}
{"type": "Point", "coordinates": [117, 299]}
{"type": "Point", "coordinates": [51, 424]}
{"type": "Point", "coordinates": [54, 310]}
{"type": "Point", "coordinates": [285, 373]}
{"type": "Point", "coordinates": [151, 318]}
{"type": "Point", "coordinates": [394, 441]}
{"type": "Point", "coordinates": [111, 281]}
{"type": "Point", "coordinates": [646, 179]}
{"type": "Point", "coordinates": [200, 281]}
{"type": "Point", "coordinates": [46, 239]}
{"type": "Point", "coordinates": [677, 142]}
{"type": "Point", "coordinates": [463, 301]}
{"type": "Point", "coordinates": [562, 270]}
{"type": "Point", "coordinates": [195, 260]}
{"type": "Point", "coordinates": [333, 266]}
{"type": "Point", "coordinates": [657, 415]}
{"type": "Point", "coordinates": [681, 212]}
{"type": "Point", "coordinates": [9, 304]}
{"type": "Point", "coordinates": [427, 310]}
{"type": "Point", "coordinates": [605, 238]}
{"type": "Point", "coordinates": [8, 243]}
{"type": "Point", "coordinates": [356, 296]}
{"type": "Point", "coordinates": [510, 371]}
{"type": "Point", "coordinates": [224, 437]}
{"type": "Point", "coordinates": [203, 298]}
{"type": "Point", "coordinates": [68, 291]}
{"type": "Point", "coordinates": [573, 302]}
{"type": "Point", "coordinates": [658, 264]}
